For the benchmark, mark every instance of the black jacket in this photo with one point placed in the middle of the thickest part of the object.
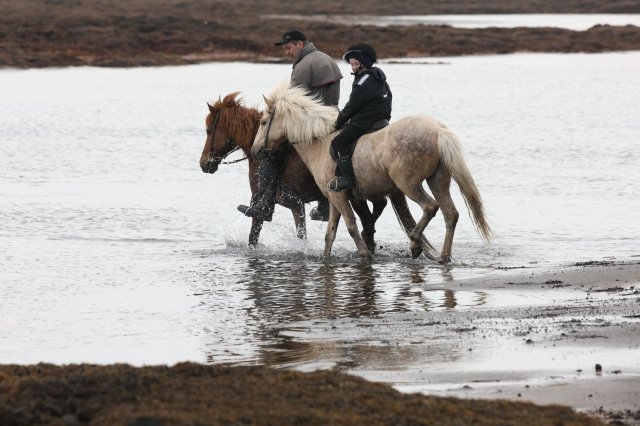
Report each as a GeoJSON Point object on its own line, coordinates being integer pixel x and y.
{"type": "Point", "coordinates": [370, 100]}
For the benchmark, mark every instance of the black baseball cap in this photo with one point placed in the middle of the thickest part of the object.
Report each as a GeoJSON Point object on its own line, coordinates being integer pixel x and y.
{"type": "Point", "coordinates": [291, 35]}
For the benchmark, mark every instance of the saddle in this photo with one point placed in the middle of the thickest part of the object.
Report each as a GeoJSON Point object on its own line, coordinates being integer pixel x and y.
{"type": "Point", "coordinates": [378, 125]}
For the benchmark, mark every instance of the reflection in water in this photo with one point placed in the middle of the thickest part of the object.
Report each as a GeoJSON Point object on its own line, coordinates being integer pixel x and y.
{"type": "Point", "coordinates": [449, 299]}
{"type": "Point", "coordinates": [257, 304]}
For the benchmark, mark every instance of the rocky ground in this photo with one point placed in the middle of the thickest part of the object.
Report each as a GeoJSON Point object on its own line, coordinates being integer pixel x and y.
{"type": "Point", "coordinates": [42, 33]}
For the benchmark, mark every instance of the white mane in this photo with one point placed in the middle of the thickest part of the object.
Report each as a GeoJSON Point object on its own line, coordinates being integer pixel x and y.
{"type": "Point", "coordinates": [304, 118]}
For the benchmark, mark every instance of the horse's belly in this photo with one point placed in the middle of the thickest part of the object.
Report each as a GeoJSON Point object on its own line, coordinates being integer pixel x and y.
{"type": "Point", "coordinates": [378, 187]}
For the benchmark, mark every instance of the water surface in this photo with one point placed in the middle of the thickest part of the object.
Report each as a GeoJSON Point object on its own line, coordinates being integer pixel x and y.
{"type": "Point", "coordinates": [117, 248]}
{"type": "Point", "coordinates": [571, 21]}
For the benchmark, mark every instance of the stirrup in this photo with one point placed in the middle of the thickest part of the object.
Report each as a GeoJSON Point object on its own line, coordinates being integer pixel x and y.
{"type": "Point", "coordinates": [316, 214]}
{"type": "Point", "coordinates": [337, 184]}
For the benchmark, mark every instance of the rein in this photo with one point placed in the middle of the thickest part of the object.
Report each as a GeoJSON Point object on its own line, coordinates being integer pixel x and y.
{"type": "Point", "coordinates": [229, 144]}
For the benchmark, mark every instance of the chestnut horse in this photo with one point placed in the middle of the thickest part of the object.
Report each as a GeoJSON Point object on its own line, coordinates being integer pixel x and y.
{"type": "Point", "coordinates": [232, 126]}
{"type": "Point", "coordinates": [399, 157]}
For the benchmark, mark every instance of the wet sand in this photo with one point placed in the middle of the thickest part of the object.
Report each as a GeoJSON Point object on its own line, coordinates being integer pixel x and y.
{"type": "Point", "coordinates": [549, 336]}
{"type": "Point", "coordinates": [581, 350]}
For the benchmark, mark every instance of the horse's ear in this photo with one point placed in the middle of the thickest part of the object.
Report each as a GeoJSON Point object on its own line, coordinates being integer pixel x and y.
{"type": "Point", "coordinates": [267, 101]}
{"type": "Point", "coordinates": [210, 107]}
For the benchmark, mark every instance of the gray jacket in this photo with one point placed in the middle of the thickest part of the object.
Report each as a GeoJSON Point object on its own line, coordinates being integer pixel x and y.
{"type": "Point", "coordinates": [317, 72]}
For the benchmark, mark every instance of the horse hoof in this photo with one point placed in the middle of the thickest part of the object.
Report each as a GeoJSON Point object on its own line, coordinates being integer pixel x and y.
{"type": "Point", "coordinates": [367, 237]}
{"type": "Point", "coordinates": [429, 256]}
{"type": "Point", "coordinates": [415, 252]}
{"type": "Point", "coordinates": [365, 254]}
{"type": "Point", "coordinates": [444, 260]}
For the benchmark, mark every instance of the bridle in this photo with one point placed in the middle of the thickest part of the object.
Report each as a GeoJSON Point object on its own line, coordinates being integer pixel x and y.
{"type": "Point", "coordinates": [266, 135]}
{"type": "Point", "coordinates": [229, 144]}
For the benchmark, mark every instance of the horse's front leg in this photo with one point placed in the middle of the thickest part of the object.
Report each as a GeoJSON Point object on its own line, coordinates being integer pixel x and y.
{"type": "Point", "coordinates": [292, 200]}
{"type": "Point", "coordinates": [340, 201]}
{"type": "Point", "coordinates": [254, 233]}
{"type": "Point", "coordinates": [332, 228]}
{"type": "Point", "coordinates": [299, 220]}
{"type": "Point", "coordinates": [368, 223]}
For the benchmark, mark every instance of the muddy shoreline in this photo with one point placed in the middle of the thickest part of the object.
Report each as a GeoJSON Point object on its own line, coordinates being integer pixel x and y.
{"type": "Point", "coordinates": [35, 34]}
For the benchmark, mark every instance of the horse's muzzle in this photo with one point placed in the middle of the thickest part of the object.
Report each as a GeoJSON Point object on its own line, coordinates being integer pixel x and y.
{"type": "Point", "coordinates": [209, 166]}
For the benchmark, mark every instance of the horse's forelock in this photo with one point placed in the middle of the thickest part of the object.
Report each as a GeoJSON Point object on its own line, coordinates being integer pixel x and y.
{"type": "Point", "coordinates": [239, 122]}
{"type": "Point", "coordinates": [231, 100]}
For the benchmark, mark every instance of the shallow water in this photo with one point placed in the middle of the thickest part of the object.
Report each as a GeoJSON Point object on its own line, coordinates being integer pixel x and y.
{"type": "Point", "coordinates": [117, 248]}
{"type": "Point", "coordinates": [571, 21]}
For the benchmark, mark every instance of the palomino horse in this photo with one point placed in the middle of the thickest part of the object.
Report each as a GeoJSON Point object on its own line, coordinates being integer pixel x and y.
{"type": "Point", "coordinates": [399, 157]}
{"type": "Point", "coordinates": [231, 126]}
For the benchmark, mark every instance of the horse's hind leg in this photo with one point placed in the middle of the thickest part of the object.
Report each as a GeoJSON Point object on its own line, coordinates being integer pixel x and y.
{"type": "Point", "coordinates": [440, 183]}
{"type": "Point", "coordinates": [429, 207]}
{"type": "Point", "coordinates": [254, 233]}
{"type": "Point", "coordinates": [399, 203]}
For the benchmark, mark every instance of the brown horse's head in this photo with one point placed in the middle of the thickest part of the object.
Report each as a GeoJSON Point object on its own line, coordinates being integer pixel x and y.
{"type": "Point", "coordinates": [218, 143]}
{"type": "Point", "coordinates": [229, 126]}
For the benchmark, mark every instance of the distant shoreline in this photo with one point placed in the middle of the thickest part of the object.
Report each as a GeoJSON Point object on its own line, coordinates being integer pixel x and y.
{"type": "Point", "coordinates": [53, 33]}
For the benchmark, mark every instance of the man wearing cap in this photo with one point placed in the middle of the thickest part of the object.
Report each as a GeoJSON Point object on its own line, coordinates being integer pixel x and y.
{"type": "Point", "coordinates": [318, 73]}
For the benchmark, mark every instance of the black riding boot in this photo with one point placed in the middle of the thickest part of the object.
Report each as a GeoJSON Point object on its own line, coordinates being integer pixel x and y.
{"type": "Point", "coordinates": [346, 178]}
{"type": "Point", "coordinates": [264, 200]}
{"type": "Point", "coordinates": [321, 212]}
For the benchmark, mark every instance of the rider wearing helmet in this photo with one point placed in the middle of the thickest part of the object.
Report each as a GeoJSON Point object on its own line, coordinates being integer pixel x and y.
{"type": "Point", "coordinates": [369, 103]}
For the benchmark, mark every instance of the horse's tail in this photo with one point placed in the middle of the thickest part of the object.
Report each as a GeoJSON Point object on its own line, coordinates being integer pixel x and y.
{"type": "Point", "coordinates": [452, 159]}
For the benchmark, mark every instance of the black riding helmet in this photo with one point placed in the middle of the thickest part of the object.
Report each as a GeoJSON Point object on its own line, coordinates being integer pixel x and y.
{"type": "Point", "coordinates": [361, 52]}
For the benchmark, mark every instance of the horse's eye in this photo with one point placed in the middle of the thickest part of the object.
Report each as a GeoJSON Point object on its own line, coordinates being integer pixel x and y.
{"type": "Point", "coordinates": [263, 122]}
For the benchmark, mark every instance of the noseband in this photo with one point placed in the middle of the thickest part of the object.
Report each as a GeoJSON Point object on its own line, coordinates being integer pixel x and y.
{"type": "Point", "coordinates": [229, 145]}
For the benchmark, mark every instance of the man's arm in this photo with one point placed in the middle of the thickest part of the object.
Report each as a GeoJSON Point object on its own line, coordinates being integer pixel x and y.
{"type": "Point", "coordinates": [301, 75]}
